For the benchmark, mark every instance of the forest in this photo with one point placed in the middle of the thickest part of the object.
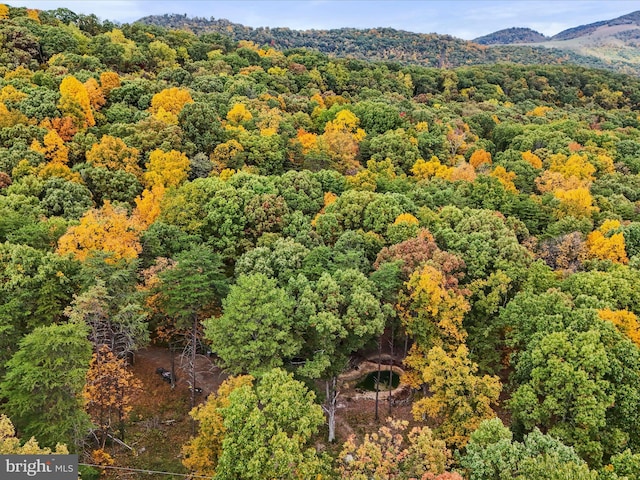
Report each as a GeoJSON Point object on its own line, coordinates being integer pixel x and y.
{"type": "Point", "coordinates": [286, 218]}
{"type": "Point", "coordinates": [431, 50]}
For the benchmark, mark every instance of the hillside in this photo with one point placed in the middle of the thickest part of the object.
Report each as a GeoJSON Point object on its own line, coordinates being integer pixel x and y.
{"type": "Point", "coordinates": [222, 260]}
{"type": "Point", "coordinates": [511, 35]}
{"type": "Point", "coordinates": [613, 43]}
{"type": "Point", "coordinates": [383, 44]}
{"type": "Point", "coordinates": [630, 21]}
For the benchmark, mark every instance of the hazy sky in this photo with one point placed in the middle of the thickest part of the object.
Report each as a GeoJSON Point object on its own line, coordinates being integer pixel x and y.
{"type": "Point", "coordinates": [462, 18]}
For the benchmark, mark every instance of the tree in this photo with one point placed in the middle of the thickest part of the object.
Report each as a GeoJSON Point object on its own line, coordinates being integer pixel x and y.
{"type": "Point", "coordinates": [202, 452]}
{"type": "Point", "coordinates": [383, 455]}
{"type": "Point", "coordinates": [107, 229]}
{"type": "Point", "coordinates": [264, 213]}
{"type": "Point", "coordinates": [491, 454]}
{"type": "Point", "coordinates": [54, 149]}
{"type": "Point", "coordinates": [268, 429]}
{"type": "Point", "coordinates": [75, 103]}
{"type": "Point", "coordinates": [460, 398]}
{"type": "Point", "coordinates": [43, 384]}
{"type": "Point", "coordinates": [340, 313]}
{"type": "Point", "coordinates": [109, 81]}
{"type": "Point", "coordinates": [605, 244]}
{"type": "Point", "coordinates": [108, 393]}
{"type": "Point", "coordinates": [432, 313]}
{"type": "Point", "coordinates": [201, 126]}
{"type": "Point", "coordinates": [64, 198]}
{"type": "Point", "coordinates": [566, 390]}
{"type": "Point", "coordinates": [625, 321]}
{"type": "Point", "coordinates": [116, 321]}
{"type": "Point", "coordinates": [166, 169]}
{"type": "Point", "coordinates": [256, 331]}
{"type": "Point", "coordinates": [189, 292]}
{"type": "Point", "coordinates": [171, 100]}
{"type": "Point", "coordinates": [35, 287]}
{"type": "Point", "coordinates": [96, 95]}
{"type": "Point", "coordinates": [112, 153]}
{"type": "Point", "coordinates": [341, 139]}
{"type": "Point", "coordinates": [10, 444]}
{"type": "Point", "coordinates": [238, 114]}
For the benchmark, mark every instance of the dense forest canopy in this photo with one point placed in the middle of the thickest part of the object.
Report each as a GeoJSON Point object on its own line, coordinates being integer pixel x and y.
{"type": "Point", "coordinates": [289, 213]}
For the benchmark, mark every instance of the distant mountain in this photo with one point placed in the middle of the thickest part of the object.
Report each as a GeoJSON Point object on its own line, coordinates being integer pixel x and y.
{"type": "Point", "coordinates": [511, 35]}
{"type": "Point", "coordinates": [518, 45]}
{"type": "Point", "coordinates": [631, 20]}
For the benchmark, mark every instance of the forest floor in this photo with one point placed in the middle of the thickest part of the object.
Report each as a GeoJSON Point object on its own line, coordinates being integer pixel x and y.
{"type": "Point", "coordinates": [160, 424]}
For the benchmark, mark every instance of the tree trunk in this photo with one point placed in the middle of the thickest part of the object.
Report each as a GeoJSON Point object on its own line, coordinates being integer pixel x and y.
{"type": "Point", "coordinates": [173, 364]}
{"type": "Point", "coordinates": [391, 344]}
{"type": "Point", "coordinates": [330, 407]}
{"type": "Point", "coordinates": [194, 335]}
{"type": "Point", "coordinates": [378, 379]}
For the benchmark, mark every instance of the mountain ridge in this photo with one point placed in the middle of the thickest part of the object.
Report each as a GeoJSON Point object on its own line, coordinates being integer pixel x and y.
{"type": "Point", "coordinates": [389, 44]}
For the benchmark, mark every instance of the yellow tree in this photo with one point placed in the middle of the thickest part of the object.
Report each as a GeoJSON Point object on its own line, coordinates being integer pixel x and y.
{"type": "Point", "coordinates": [113, 154]}
{"type": "Point", "coordinates": [10, 444]}
{"type": "Point", "coordinates": [166, 169]}
{"type": "Point", "coordinates": [75, 103]}
{"type": "Point", "coordinates": [9, 118]}
{"type": "Point", "coordinates": [54, 149]}
{"type": "Point", "coordinates": [108, 392]}
{"type": "Point", "coordinates": [607, 246]}
{"type": "Point", "coordinates": [4, 12]}
{"type": "Point", "coordinates": [107, 229]}
{"type": "Point", "coordinates": [148, 206]}
{"type": "Point", "coordinates": [480, 157]}
{"type": "Point", "coordinates": [341, 140]}
{"type": "Point", "coordinates": [432, 313]}
{"type": "Point", "coordinates": [225, 155]}
{"type": "Point", "coordinates": [238, 114]}
{"type": "Point", "coordinates": [460, 398]}
{"type": "Point", "coordinates": [96, 94]}
{"type": "Point", "coordinates": [171, 100]}
{"type": "Point", "coordinates": [575, 165]}
{"type": "Point", "coordinates": [109, 81]}
{"type": "Point", "coordinates": [11, 94]}
{"type": "Point", "coordinates": [532, 159]}
{"type": "Point", "coordinates": [625, 321]}
{"type": "Point", "coordinates": [309, 141]}
{"type": "Point", "coordinates": [576, 202]}
{"type": "Point", "coordinates": [385, 455]}
{"type": "Point", "coordinates": [201, 453]}
{"type": "Point", "coordinates": [423, 170]}
{"type": "Point", "coordinates": [506, 178]}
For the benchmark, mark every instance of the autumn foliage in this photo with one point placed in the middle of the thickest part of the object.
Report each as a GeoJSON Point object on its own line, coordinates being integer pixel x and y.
{"type": "Point", "coordinates": [109, 392]}
{"type": "Point", "coordinates": [108, 229]}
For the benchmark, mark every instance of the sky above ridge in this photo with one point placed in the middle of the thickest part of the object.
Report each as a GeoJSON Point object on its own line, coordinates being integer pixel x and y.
{"type": "Point", "coordinates": [465, 19]}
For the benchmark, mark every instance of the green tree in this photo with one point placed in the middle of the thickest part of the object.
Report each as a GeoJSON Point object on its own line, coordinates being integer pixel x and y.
{"type": "Point", "coordinates": [491, 454]}
{"type": "Point", "coordinates": [35, 288]}
{"type": "Point", "coordinates": [188, 293]}
{"type": "Point", "coordinates": [256, 331]}
{"type": "Point", "coordinates": [576, 376]}
{"type": "Point", "coordinates": [268, 430]}
{"type": "Point", "coordinates": [340, 313]}
{"type": "Point", "coordinates": [43, 385]}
